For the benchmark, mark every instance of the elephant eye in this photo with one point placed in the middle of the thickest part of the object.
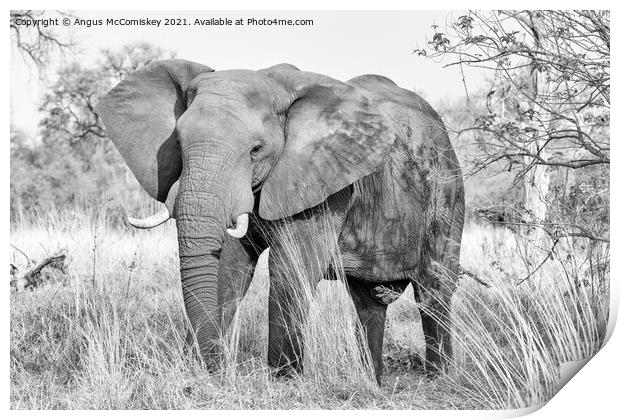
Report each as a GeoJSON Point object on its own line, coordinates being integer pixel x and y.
{"type": "Point", "coordinates": [256, 150]}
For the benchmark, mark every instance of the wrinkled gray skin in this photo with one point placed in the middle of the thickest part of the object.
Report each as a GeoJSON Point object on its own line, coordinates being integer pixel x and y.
{"type": "Point", "coordinates": [293, 148]}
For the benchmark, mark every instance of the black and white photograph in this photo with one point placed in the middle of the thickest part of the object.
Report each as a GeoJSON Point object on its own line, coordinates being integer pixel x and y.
{"type": "Point", "coordinates": [287, 210]}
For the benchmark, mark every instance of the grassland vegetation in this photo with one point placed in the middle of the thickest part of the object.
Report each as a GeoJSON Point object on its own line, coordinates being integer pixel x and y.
{"type": "Point", "coordinates": [110, 331]}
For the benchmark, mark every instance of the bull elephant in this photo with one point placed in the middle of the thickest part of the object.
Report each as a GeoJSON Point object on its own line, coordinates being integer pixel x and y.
{"type": "Point", "coordinates": [227, 151]}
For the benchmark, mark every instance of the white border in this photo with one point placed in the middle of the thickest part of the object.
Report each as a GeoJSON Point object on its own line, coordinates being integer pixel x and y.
{"type": "Point", "coordinates": [591, 394]}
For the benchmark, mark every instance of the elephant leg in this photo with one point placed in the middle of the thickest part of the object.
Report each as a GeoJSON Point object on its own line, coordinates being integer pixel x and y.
{"type": "Point", "coordinates": [435, 317]}
{"type": "Point", "coordinates": [371, 313]}
{"type": "Point", "coordinates": [435, 284]}
{"type": "Point", "coordinates": [237, 263]}
{"type": "Point", "coordinates": [371, 301]}
{"type": "Point", "coordinates": [300, 253]}
{"type": "Point", "coordinates": [287, 312]}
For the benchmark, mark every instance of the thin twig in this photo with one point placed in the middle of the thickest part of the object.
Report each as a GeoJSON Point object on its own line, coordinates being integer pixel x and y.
{"type": "Point", "coordinates": [28, 260]}
{"type": "Point", "coordinates": [475, 277]}
{"type": "Point", "coordinates": [555, 242]}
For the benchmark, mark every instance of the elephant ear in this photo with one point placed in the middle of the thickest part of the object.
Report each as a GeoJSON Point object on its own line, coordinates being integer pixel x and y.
{"type": "Point", "coordinates": [140, 116]}
{"type": "Point", "coordinates": [334, 136]}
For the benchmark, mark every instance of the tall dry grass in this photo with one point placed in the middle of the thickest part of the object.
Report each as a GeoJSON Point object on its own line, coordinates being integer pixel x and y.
{"type": "Point", "coordinates": [110, 332]}
{"type": "Point", "coordinates": [513, 336]}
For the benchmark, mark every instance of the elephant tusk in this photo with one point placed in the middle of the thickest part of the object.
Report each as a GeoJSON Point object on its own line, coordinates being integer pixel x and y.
{"type": "Point", "coordinates": [151, 221]}
{"type": "Point", "coordinates": [171, 199]}
{"type": "Point", "coordinates": [241, 227]}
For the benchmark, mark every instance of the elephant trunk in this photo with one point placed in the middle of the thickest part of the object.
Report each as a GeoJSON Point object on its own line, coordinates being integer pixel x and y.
{"type": "Point", "coordinates": [202, 217]}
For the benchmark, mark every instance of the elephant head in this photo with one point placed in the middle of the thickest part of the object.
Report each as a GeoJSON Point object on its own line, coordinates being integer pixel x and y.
{"type": "Point", "coordinates": [203, 142]}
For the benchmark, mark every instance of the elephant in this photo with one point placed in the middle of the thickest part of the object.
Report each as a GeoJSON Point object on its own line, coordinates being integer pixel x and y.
{"type": "Point", "coordinates": [230, 151]}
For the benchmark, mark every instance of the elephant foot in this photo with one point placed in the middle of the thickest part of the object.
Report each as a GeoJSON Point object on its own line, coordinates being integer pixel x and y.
{"type": "Point", "coordinates": [378, 378]}
{"type": "Point", "coordinates": [211, 363]}
{"type": "Point", "coordinates": [285, 372]}
{"type": "Point", "coordinates": [431, 371]}
{"type": "Point", "coordinates": [283, 367]}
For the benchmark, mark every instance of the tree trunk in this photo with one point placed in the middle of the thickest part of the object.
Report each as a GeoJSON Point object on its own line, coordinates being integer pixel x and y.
{"type": "Point", "coordinates": [537, 180]}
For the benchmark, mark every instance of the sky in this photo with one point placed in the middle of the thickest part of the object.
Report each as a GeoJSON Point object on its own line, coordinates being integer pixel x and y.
{"type": "Point", "coordinates": [341, 45]}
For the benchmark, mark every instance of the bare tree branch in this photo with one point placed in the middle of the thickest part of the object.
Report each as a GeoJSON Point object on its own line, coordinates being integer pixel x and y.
{"type": "Point", "coordinates": [36, 42]}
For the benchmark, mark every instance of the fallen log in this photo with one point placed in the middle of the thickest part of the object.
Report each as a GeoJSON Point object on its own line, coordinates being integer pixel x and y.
{"type": "Point", "coordinates": [31, 278]}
